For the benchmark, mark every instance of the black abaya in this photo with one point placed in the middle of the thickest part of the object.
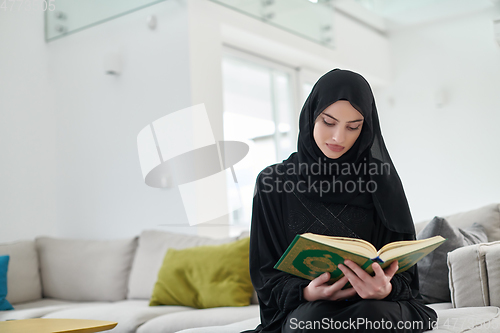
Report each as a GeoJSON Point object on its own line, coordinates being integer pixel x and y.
{"type": "Point", "coordinates": [288, 201]}
{"type": "Point", "coordinates": [279, 213]}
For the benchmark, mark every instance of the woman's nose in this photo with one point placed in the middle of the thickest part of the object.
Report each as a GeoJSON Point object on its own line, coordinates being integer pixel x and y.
{"type": "Point", "coordinates": [339, 135]}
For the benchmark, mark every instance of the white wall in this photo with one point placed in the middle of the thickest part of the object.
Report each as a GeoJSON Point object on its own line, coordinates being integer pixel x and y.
{"type": "Point", "coordinates": [69, 163]}
{"type": "Point", "coordinates": [27, 129]}
{"type": "Point", "coordinates": [448, 157]}
{"type": "Point", "coordinates": [101, 192]}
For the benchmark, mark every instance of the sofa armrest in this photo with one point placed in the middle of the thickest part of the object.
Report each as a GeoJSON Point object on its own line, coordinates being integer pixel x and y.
{"type": "Point", "coordinates": [474, 275]}
{"type": "Point", "coordinates": [23, 277]}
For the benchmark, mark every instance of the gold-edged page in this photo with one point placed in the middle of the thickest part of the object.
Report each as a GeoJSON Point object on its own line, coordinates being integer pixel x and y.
{"type": "Point", "coordinates": [353, 245]}
{"type": "Point", "coordinates": [397, 249]}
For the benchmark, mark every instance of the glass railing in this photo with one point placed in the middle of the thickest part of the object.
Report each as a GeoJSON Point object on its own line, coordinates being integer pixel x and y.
{"type": "Point", "coordinates": [69, 16]}
{"type": "Point", "coordinates": [310, 19]}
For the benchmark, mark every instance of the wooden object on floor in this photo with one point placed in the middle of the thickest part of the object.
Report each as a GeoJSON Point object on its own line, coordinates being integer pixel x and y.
{"type": "Point", "coordinates": [50, 325]}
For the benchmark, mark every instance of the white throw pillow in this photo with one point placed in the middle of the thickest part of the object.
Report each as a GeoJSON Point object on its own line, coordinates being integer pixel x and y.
{"type": "Point", "coordinates": [23, 278]}
{"type": "Point", "coordinates": [85, 270]}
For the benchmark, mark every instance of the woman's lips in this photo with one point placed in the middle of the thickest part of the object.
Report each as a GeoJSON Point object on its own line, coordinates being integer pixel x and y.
{"type": "Point", "coordinates": [335, 148]}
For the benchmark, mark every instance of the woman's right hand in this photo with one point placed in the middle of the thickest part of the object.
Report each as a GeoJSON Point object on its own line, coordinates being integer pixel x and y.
{"type": "Point", "coordinates": [318, 289]}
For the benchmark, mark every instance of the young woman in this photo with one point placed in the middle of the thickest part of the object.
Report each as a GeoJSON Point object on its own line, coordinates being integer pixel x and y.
{"type": "Point", "coordinates": [340, 182]}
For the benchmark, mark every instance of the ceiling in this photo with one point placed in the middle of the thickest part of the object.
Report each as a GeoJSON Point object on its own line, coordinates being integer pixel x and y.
{"type": "Point", "coordinates": [389, 14]}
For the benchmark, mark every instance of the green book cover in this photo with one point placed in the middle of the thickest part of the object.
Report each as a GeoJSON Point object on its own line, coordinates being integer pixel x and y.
{"type": "Point", "coordinates": [310, 255]}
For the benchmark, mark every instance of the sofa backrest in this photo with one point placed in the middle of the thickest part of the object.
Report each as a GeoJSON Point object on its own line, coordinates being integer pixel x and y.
{"type": "Point", "coordinates": [488, 216]}
{"type": "Point", "coordinates": [153, 245]}
{"type": "Point", "coordinates": [23, 278]}
{"type": "Point", "coordinates": [85, 270]}
{"type": "Point", "coordinates": [93, 270]}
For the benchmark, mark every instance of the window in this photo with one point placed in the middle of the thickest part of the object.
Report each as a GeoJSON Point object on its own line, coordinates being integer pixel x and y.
{"type": "Point", "coordinates": [262, 102]}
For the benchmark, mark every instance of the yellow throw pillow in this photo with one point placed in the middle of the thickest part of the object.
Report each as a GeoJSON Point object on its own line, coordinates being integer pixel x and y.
{"type": "Point", "coordinates": [205, 276]}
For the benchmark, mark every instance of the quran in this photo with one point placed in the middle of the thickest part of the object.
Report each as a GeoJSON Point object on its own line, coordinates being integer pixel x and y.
{"type": "Point", "coordinates": [310, 255]}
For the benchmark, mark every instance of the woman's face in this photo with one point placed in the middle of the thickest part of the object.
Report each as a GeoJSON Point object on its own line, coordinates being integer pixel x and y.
{"type": "Point", "coordinates": [337, 128]}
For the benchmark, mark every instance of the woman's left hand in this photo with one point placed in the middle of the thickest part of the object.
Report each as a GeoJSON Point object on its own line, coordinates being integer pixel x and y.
{"type": "Point", "coordinates": [370, 287]}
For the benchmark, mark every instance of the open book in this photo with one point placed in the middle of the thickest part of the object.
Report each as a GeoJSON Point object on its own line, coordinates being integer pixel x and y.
{"type": "Point", "coordinates": [310, 255]}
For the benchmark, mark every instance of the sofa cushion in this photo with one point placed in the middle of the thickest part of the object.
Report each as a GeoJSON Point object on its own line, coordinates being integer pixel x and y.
{"type": "Point", "coordinates": [470, 320]}
{"type": "Point", "coordinates": [153, 245]}
{"type": "Point", "coordinates": [433, 269]}
{"type": "Point", "coordinates": [474, 277]}
{"type": "Point", "coordinates": [85, 270]}
{"type": "Point", "coordinates": [23, 278]}
{"type": "Point", "coordinates": [244, 325]}
{"type": "Point", "coordinates": [205, 276]}
{"type": "Point", "coordinates": [440, 306]}
{"type": "Point", "coordinates": [129, 314]}
{"type": "Point", "coordinates": [488, 216]}
{"type": "Point", "coordinates": [4, 265]}
{"type": "Point", "coordinates": [492, 262]}
{"type": "Point", "coordinates": [174, 322]}
{"type": "Point", "coordinates": [40, 308]}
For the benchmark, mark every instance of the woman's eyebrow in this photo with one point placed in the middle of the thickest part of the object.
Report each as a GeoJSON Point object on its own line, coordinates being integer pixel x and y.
{"type": "Point", "coordinates": [351, 121]}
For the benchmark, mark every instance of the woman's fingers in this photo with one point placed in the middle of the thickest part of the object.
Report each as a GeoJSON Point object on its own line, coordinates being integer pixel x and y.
{"type": "Point", "coordinates": [356, 282]}
{"type": "Point", "coordinates": [351, 275]}
{"type": "Point", "coordinates": [356, 269]}
{"type": "Point", "coordinates": [389, 271]}
{"type": "Point", "coordinates": [363, 284]}
{"type": "Point", "coordinates": [315, 290]}
{"type": "Point", "coordinates": [368, 286]}
{"type": "Point", "coordinates": [379, 272]}
{"type": "Point", "coordinates": [344, 294]}
{"type": "Point", "coordinates": [393, 268]}
{"type": "Point", "coordinates": [335, 291]}
{"type": "Point", "coordinates": [340, 283]}
{"type": "Point", "coordinates": [338, 292]}
{"type": "Point", "coordinates": [323, 278]}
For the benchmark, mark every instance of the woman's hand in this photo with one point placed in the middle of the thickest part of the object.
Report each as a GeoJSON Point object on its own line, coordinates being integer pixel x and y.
{"type": "Point", "coordinates": [318, 289]}
{"type": "Point", "coordinates": [367, 286]}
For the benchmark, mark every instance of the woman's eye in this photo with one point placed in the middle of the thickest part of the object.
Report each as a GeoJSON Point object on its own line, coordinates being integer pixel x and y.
{"type": "Point", "coordinates": [327, 123]}
{"type": "Point", "coordinates": [348, 127]}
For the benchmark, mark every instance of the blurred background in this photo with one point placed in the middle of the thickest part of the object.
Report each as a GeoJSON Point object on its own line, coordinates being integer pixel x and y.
{"type": "Point", "coordinates": [80, 78]}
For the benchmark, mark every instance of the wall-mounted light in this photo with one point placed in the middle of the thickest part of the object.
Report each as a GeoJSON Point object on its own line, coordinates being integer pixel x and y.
{"type": "Point", "coordinates": [441, 97]}
{"type": "Point", "coordinates": [113, 64]}
{"type": "Point", "coordinates": [152, 22]}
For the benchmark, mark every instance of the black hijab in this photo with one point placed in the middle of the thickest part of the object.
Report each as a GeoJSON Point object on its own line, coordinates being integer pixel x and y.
{"type": "Point", "coordinates": [366, 170]}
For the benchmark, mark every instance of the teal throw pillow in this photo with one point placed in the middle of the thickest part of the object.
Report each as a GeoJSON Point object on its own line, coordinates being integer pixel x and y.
{"type": "Point", "coordinates": [4, 264]}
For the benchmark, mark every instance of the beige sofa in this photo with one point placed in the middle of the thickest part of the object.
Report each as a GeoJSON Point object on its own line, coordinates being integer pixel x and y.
{"type": "Point", "coordinates": [113, 280]}
{"type": "Point", "coordinates": [474, 281]}
{"type": "Point", "coordinates": [105, 280]}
